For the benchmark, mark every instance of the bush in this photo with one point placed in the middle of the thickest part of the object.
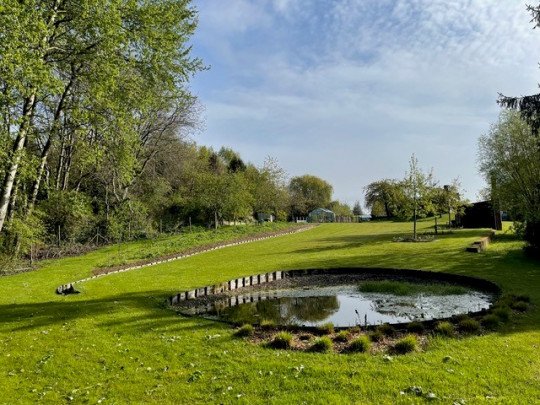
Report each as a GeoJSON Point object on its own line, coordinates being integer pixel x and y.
{"type": "Point", "coordinates": [342, 336]}
{"type": "Point", "coordinates": [491, 322]}
{"type": "Point", "coordinates": [360, 344]}
{"type": "Point", "coordinates": [386, 329]}
{"type": "Point", "coordinates": [376, 336]}
{"type": "Point", "coordinates": [503, 313]}
{"type": "Point", "coordinates": [406, 345]}
{"type": "Point", "coordinates": [322, 344]}
{"type": "Point", "coordinates": [281, 340]}
{"type": "Point", "coordinates": [415, 327]}
{"type": "Point", "coordinates": [244, 331]}
{"type": "Point", "coordinates": [267, 324]}
{"type": "Point", "coordinates": [444, 328]}
{"type": "Point", "coordinates": [520, 306]}
{"type": "Point", "coordinates": [326, 329]}
{"type": "Point", "coordinates": [469, 325]}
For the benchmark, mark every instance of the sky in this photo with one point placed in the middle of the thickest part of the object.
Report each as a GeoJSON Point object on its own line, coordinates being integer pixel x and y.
{"type": "Point", "coordinates": [348, 90]}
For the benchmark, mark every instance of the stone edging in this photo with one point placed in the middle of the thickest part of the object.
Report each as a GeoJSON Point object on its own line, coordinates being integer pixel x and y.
{"type": "Point", "coordinates": [69, 288]}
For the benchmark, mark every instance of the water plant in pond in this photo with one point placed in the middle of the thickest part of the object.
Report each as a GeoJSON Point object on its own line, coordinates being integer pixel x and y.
{"type": "Point", "coordinates": [503, 313]}
{"type": "Point", "coordinates": [376, 336]}
{"type": "Point", "coordinates": [386, 330]}
{"type": "Point", "coordinates": [404, 288]}
{"type": "Point", "coordinates": [267, 324]}
{"type": "Point", "coordinates": [491, 322]}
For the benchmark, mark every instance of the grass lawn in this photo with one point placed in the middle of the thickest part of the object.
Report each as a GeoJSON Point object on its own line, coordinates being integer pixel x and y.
{"type": "Point", "coordinates": [116, 342]}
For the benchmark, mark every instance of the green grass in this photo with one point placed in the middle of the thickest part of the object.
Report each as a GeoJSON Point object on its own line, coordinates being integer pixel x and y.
{"type": "Point", "coordinates": [403, 288]}
{"type": "Point", "coordinates": [117, 342]}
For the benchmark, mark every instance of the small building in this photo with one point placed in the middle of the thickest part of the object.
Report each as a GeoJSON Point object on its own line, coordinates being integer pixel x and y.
{"type": "Point", "coordinates": [321, 215]}
{"type": "Point", "coordinates": [480, 215]}
{"type": "Point", "coordinates": [264, 217]}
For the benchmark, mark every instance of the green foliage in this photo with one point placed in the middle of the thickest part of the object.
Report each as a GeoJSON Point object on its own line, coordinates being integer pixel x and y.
{"type": "Point", "coordinates": [308, 192]}
{"type": "Point", "coordinates": [404, 288]}
{"type": "Point", "coordinates": [503, 313]}
{"type": "Point", "coordinates": [510, 163]}
{"type": "Point", "coordinates": [376, 335]}
{"type": "Point", "coordinates": [68, 215]}
{"type": "Point", "coordinates": [342, 336]}
{"type": "Point", "coordinates": [281, 340]}
{"type": "Point", "coordinates": [267, 324]}
{"type": "Point", "coordinates": [326, 328]}
{"type": "Point", "coordinates": [129, 221]}
{"type": "Point", "coordinates": [444, 328]}
{"type": "Point", "coordinates": [405, 345]}
{"type": "Point", "coordinates": [491, 321]}
{"type": "Point", "coordinates": [361, 344]}
{"type": "Point", "coordinates": [415, 327]}
{"type": "Point", "coordinates": [520, 306]}
{"type": "Point", "coordinates": [244, 331]}
{"type": "Point", "coordinates": [469, 325]}
{"type": "Point", "coordinates": [386, 329]}
{"type": "Point", "coordinates": [323, 344]}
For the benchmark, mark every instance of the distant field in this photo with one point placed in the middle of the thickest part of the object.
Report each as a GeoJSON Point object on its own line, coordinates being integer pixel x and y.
{"type": "Point", "coordinates": [117, 342]}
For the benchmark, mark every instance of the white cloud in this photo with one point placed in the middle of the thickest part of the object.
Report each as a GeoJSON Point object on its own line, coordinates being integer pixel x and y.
{"type": "Point", "coordinates": [378, 81]}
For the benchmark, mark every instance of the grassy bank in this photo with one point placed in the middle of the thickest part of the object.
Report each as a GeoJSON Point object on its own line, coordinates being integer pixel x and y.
{"type": "Point", "coordinates": [116, 342]}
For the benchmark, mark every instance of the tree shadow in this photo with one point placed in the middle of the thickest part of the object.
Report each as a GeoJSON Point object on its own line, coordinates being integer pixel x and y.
{"type": "Point", "coordinates": [135, 312]}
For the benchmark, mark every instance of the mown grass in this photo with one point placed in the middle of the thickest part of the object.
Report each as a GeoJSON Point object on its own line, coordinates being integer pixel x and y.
{"type": "Point", "coordinates": [403, 288]}
{"type": "Point", "coordinates": [117, 342]}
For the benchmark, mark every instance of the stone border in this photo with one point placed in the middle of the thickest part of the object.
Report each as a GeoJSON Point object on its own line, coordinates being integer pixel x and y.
{"type": "Point", "coordinates": [254, 280]}
{"type": "Point", "coordinates": [70, 287]}
{"type": "Point", "coordinates": [481, 244]}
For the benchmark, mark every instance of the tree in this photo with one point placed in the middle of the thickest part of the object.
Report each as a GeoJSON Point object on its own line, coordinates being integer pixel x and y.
{"type": "Point", "coordinates": [510, 163]}
{"type": "Point", "coordinates": [340, 209]}
{"type": "Point", "coordinates": [308, 192]}
{"type": "Point", "coordinates": [418, 188]}
{"type": "Point", "coordinates": [386, 193]}
{"type": "Point", "coordinates": [357, 208]}
{"type": "Point", "coordinates": [529, 106]}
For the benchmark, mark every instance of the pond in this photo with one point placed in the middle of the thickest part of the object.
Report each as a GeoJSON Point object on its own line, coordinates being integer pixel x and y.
{"type": "Point", "coordinates": [344, 305]}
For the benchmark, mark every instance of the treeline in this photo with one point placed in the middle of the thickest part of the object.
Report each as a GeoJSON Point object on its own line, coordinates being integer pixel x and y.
{"type": "Point", "coordinates": [417, 195]}
{"type": "Point", "coordinates": [95, 120]}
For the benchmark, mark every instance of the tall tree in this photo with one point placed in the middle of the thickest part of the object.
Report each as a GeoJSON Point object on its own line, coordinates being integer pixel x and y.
{"type": "Point", "coordinates": [308, 192]}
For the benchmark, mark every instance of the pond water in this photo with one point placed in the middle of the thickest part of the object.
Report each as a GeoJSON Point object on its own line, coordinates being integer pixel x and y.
{"type": "Point", "coordinates": [343, 305]}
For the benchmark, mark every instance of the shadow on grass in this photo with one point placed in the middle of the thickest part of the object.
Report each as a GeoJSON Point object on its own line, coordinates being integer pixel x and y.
{"type": "Point", "coordinates": [134, 312]}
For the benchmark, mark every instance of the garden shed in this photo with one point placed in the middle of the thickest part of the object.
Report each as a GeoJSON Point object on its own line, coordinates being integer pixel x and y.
{"type": "Point", "coordinates": [321, 215]}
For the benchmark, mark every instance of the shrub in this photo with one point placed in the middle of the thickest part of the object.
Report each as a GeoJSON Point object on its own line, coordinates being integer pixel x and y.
{"type": "Point", "coordinates": [326, 328]}
{"type": "Point", "coordinates": [360, 344]}
{"type": "Point", "coordinates": [322, 344]}
{"type": "Point", "coordinates": [469, 325]}
{"type": "Point", "coordinates": [415, 327]}
{"type": "Point", "coordinates": [406, 345]}
{"type": "Point", "coordinates": [267, 324]}
{"type": "Point", "coordinates": [342, 336]}
{"type": "Point", "coordinates": [244, 331]}
{"type": "Point", "coordinates": [444, 328]}
{"type": "Point", "coordinates": [281, 340]}
{"type": "Point", "coordinates": [491, 322]}
{"type": "Point", "coordinates": [520, 306]}
{"type": "Point", "coordinates": [376, 336]}
{"type": "Point", "coordinates": [386, 329]}
{"type": "Point", "coordinates": [503, 313]}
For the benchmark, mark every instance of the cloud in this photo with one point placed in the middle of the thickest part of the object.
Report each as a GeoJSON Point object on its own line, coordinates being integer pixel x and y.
{"type": "Point", "coordinates": [349, 90]}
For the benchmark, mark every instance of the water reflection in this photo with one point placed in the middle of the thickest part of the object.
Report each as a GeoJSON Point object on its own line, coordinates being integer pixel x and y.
{"type": "Point", "coordinates": [343, 305]}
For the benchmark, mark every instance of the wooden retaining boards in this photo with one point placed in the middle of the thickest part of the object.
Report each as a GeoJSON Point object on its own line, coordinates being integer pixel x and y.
{"type": "Point", "coordinates": [481, 244]}
{"type": "Point", "coordinates": [67, 288]}
{"type": "Point", "coordinates": [236, 284]}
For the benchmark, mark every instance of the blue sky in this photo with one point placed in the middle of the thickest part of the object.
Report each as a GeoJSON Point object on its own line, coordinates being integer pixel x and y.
{"type": "Point", "coordinates": [349, 90]}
